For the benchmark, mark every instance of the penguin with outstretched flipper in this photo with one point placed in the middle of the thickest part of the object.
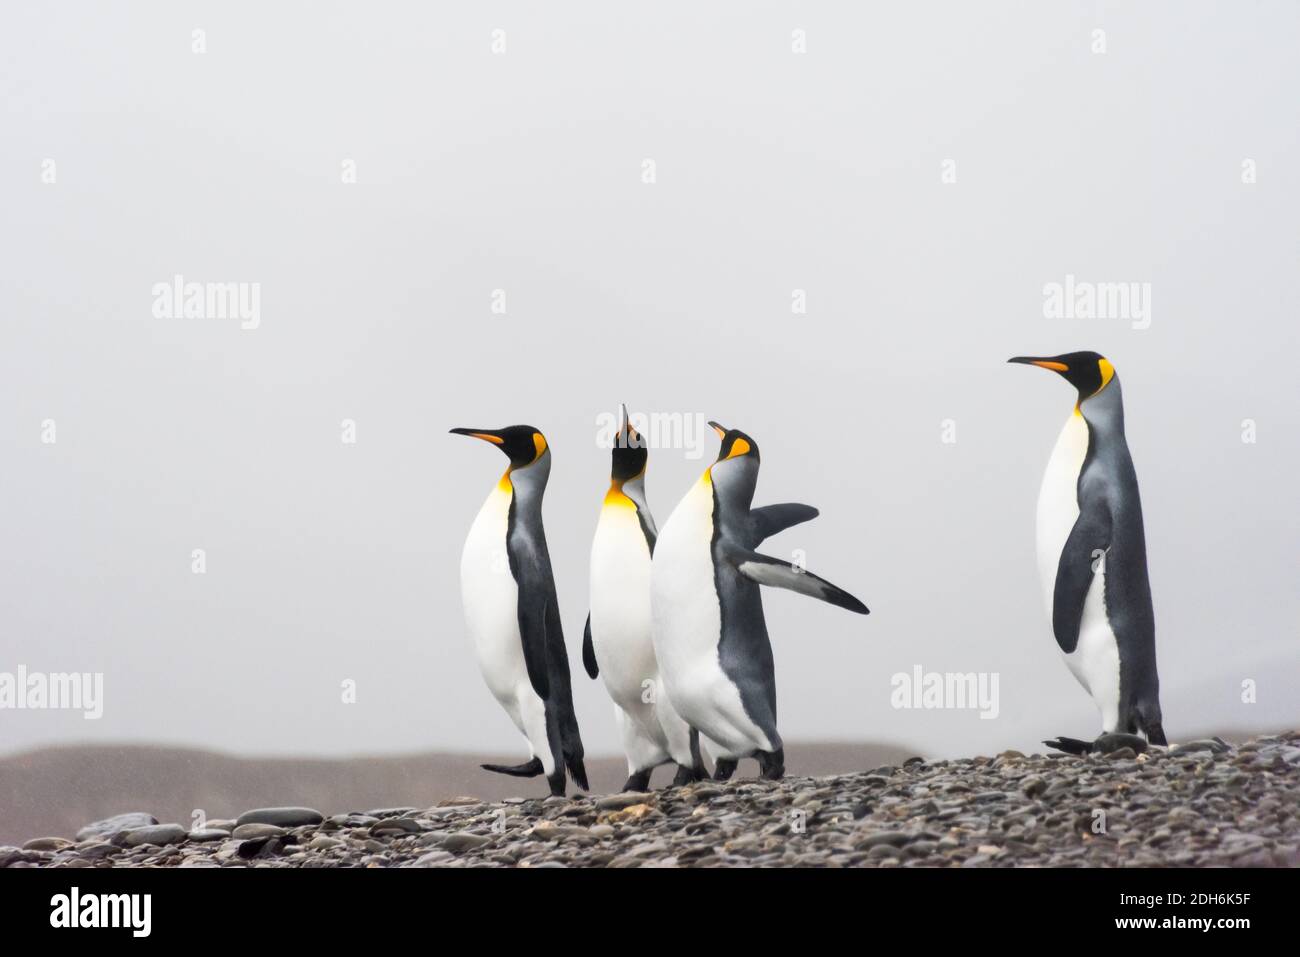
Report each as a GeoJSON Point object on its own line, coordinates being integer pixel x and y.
{"type": "Point", "coordinates": [710, 635]}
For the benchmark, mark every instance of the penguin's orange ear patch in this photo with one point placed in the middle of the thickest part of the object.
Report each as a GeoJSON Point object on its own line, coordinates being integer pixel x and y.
{"type": "Point", "coordinates": [1107, 372]}
{"type": "Point", "coordinates": [738, 447]}
{"type": "Point", "coordinates": [539, 443]}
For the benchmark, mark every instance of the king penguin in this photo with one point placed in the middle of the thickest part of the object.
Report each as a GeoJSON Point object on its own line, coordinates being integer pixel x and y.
{"type": "Point", "coordinates": [1092, 556]}
{"type": "Point", "coordinates": [617, 643]}
{"type": "Point", "coordinates": [710, 636]}
{"type": "Point", "coordinates": [512, 614]}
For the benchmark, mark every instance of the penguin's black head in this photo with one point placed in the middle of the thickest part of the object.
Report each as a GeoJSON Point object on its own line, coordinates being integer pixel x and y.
{"type": "Point", "coordinates": [1086, 371]}
{"type": "Point", "coordinates": [630, 453]}
{"type": "Point", "coordinates": [522, 444]}
{"type": "Point", "coordinates": [735, 474]}
{"type": "Point", "coordinates": [735, 443]}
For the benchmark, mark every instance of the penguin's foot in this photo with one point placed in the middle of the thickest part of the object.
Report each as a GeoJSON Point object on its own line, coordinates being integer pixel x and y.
{"type": "Point", "coordinates": [771, 764]}
{"type": "Point", "coordinates": [1104, 744]}
{"type": "Point", "coordinates": [529, 769]}
{"type": "Point", "coordinates": [556, 781]}
{"type": "Point", "coordinates": [638, 781]}
{"type": "Point", "coordinates": [1070, 745]}
{"type": "Point", "coordinates": [689, 775]}
{"type": "Point", "coordinates": [1116, 740]}
{"type": "Point", "coordinates": [724, 768]}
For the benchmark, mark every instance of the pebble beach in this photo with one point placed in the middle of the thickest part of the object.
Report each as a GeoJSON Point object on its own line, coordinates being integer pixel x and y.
{"type": "Point", "coordinates": [1198, 804]}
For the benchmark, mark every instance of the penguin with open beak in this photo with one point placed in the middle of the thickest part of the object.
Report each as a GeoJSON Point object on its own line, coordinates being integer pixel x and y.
{"type": "Point", "coordinates": [1092, 555]}
{"type": "Point", "coordinates": [710, 635]}
{"type": "Point", "coordinates": [511, 611]}
{"type": "Point", "coordinates": [618, 644]}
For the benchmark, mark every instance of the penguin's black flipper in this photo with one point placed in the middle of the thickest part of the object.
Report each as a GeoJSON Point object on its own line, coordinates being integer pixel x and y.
{"type": "Point", "coordinates": [589, 651]}
{"type": "Point", "coordinates": [1084, 548]}
{"type": "Point", "coordinates": [528, 770]}
{"type": "Point", "coordinates": [767, 570]}
{"type": "Point", "coordinates": [1070, 745]}
{"type": "Point", "coordinates": [770, 519]}
{"type": "Point", "coordinates": [533, 612]}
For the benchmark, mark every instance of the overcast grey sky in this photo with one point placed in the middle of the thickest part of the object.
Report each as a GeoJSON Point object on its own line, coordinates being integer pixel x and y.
{"type": "Point", "coordinates": [523, 171]}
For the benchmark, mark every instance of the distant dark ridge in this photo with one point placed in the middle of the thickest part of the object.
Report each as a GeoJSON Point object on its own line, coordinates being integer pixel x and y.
{"type": "Point", "coordinates": [55, 791]}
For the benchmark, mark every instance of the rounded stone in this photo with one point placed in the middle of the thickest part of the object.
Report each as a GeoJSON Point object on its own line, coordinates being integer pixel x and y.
{"type": "Point", "coordinates": [110, 826]}
{"type": "Point", "coordinates": [396, 825]}
{"type": "Point", "coordinates": [205, 834]}
{"type": "Point", "coordinates": [281, 816]}
{"type": "Point", "coordinates": [463, 841]}
{"type": "Point", "coordinates": [159, 834]}
{"type": "Point", "coordinates": [624, 799]}
{"type": "Point", "coordinates": [47, 844]}
{"type": "Point", "coordinates": [253, 831]}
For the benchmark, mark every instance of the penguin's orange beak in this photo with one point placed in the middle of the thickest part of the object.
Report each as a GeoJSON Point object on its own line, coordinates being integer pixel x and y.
{"type": "Point", "coordinates": [1041, 363]}
{"type": "Point", "coordinates": [487, 435]}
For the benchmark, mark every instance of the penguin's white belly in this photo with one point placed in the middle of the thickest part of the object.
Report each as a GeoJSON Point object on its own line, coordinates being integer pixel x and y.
{"type": "Point", "coordinates": [1058, 502]}
{"type": "Point", "coordinates": [1095, 659]}
{"type": "Point", "coordinates": [622, 636]}
{"type": "Point", "coordinates": [621, 625]}
{"type": "Point", "coordinates": [490, 597]}
{"type": "Point", "coordinates": [688, 628]}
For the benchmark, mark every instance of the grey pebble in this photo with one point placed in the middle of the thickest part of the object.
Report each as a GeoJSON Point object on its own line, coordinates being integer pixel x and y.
{"type": "Point", "coordinates": [280, 816]}
{"type": "Point", "coordinates": [208, 834]}
{"type": "Point", "coordinates": [625, 799]}
{"type": "Point", "coordinates": [396, 825]}
{"type": "Point", "coordinates": [462, 841]}
{"type": "Point", "coordinates": [159, 834]}
{"type": "Point", "coordinates": [110, 826]}
{"type": "Point", "coordinates": [47, 844]}
{"type": "Point", "coordinates": [883, 839]}
{"type": "Point", "coordinates": [433, 858]}
{"type": "Point", "coordinates": [253, 831]}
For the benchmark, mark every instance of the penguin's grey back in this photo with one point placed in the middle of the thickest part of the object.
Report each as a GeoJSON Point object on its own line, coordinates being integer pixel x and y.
{"type": "Point", "coordinates": [1108, 479]}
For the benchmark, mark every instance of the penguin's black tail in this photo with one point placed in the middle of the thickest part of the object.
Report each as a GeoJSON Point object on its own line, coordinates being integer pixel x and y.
{"type": "Point", "coordinates": [1150, 721]}
{"type": "Point", "coordinates": [528, 770]}
{"type": "Point", "coordinates": [571, 739]}
{"type": "Point", "coordinates": [573, 761]}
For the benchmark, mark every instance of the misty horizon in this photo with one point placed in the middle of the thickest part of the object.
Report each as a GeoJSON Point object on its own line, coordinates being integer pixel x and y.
{"type": "Point", "coordinates": [241, 517]}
